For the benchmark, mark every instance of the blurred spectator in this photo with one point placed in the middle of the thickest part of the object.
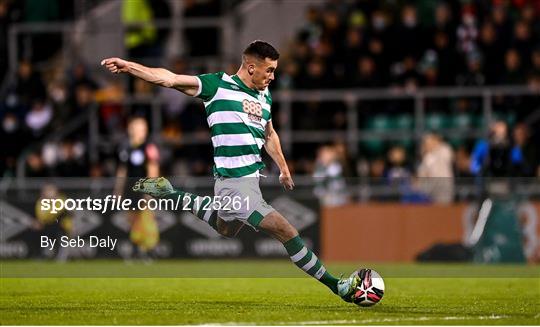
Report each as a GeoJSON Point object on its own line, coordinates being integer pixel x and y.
{"type": "Point", "coordinates": [522, 41]}
{"type": "Point", "coordinates": [12, 136]}
{"type": "Point", "coordinates": [399, 176]}
{"type": "Point", "coordinates": [473, 76]}
{"type": "Point", "coordinates": [525, 154]}
{"type": "Point", "coordinates": [467, 31]}
{"type": "Point", "coordinates": [379, 35]}
{"type": "Point", "coordinates": [333, 28]}
{"type": "Point", "coordinates": [447, 59]}
{"type": "Point", "coordinates": [140, 35]}
{"type": "Point", "coordinates": [316, 76]}
{"type": "Point", "coordinates": [289, 75]}
{"type": "Point", "coordinates": [311, 30]}
{"type": "Point", "coordinates": [39, 118]}
{"type": "Point", "coordinates": [409, 35]}
{"type": "Point", "coordinates": [353, 49]}
{"type": "Point", "coordinates": [379, 25]}
{"type": "Point", "coordinates": [59, 100]}
{"type": "Point", "coordinates": [502, 24]}
{"type": "Point", "coordinates": [380, 55]}
{"type": "Point", "coordinates": [435, 172]}
{"type": "Point", "coordinates": [491, 48]}
{"type": "Point", "coordinates": [377, 169]}
{"type": "Point", "coordinates": [79, 76]}
{"type": "Point", "coordinates": [330, 188]}
{"type": "Point", "coordinates": [398, 169]}
{"type": "Point", "coordinates": [28, 86]}
{"type": "Point", "coordinates": [342, 155]}
{"type": "Point", "coordinates": [492, 157]}
{"type": "Point", "coordinates": [72, 160]}
{"type": "Point", "coordinates": [84, 97]}
{"type": "Point", "coordinates": [534, 75]}
{"type": "Point", "coordinates": [301, 52]}
{"type": "Point", "coordinates": [366, 74]}
{"type": "Point", "coordinates": [530, 16]}
{"type": "Point", "coordinates": [35, 167]}
{"type": "Point", "coordinates": [513, 71]}
{"type": "Point", "coordinates": [444, 23]}
{"type": "Point", "coordinates": [407, 75]}
{"type": "Point", "coordinates": [528, 12]}
{"type": "Point", "coordinates": [463, 163]}
{"type": "Point", "coordinates": [429, 68]}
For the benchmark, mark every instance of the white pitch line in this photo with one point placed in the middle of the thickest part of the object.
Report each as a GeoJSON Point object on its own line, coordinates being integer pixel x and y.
{"type": "Point", "coordinates": [362, 321]}
{"type": "Point", "coordinates": [369, 321]}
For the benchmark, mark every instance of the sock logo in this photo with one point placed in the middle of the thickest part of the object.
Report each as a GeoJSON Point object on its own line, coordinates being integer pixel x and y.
{"type": "Point", "coordinates": [320, 272]}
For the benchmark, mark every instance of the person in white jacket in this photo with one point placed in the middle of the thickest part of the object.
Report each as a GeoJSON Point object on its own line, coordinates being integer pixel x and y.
{"type": "Point", "coordinates": [435, 172]}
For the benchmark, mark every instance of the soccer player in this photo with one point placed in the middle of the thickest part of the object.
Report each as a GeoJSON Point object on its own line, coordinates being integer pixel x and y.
{"type": "Point", "coordinates": [238, 110]}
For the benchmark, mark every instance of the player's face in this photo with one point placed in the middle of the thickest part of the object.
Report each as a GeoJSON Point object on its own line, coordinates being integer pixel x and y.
{"type": "Point", "coordinates": [264, 73]}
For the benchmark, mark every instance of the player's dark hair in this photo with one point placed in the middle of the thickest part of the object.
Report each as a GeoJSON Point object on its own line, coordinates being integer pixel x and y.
{"type": "Point", "coordinates": [261, 50]}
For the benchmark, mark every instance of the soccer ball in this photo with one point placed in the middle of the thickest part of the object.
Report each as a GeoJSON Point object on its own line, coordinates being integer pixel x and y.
{"type": "Point", "coordinates": [371, 288]}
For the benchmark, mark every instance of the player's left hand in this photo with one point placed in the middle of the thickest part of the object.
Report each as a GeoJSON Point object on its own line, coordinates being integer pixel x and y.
{"type": "Point", "coordinates": [286, 181]}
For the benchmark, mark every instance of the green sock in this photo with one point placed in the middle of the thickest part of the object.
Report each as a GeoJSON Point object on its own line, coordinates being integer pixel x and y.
{"type": "Point", "coordinates": [196, 205]}
{"type": "Point", "coordinates": [306, 260]}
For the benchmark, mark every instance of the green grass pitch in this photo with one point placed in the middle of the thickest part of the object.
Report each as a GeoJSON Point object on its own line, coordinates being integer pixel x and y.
{"type": "Point", "coordinates": [269, 292]}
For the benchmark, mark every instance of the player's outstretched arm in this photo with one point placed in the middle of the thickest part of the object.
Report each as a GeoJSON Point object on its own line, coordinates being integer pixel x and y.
{"type": "Point", "coordinates": [184, 83]}
{"type": "Point", "coordinates": [273, 147]}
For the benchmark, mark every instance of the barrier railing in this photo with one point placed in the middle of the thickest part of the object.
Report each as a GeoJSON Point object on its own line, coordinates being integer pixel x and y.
{"type": "Point", "coordinates": [351, 97]}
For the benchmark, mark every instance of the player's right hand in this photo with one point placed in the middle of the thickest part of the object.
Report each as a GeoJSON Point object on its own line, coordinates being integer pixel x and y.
{"type": "Point", "coordinates": [115, 65]}
{"type": "Point", "coordinates": [286, 180]}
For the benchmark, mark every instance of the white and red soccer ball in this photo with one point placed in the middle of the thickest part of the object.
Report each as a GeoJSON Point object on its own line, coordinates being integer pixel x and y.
{"type": "Point", "coordinates": [370, 290]}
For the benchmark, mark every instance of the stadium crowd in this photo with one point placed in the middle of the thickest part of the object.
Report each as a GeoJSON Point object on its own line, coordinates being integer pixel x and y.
{"type": "Point", "coordinates": [342, 44]}
{"type": "Point", "coordinates": [422, 43]}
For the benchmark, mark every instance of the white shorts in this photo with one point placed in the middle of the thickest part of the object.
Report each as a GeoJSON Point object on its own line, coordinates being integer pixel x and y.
{"type": "Point", "coordinates": [248, 206]}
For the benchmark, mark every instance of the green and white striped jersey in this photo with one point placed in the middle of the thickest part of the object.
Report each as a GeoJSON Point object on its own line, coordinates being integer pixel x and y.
{"type": "Point", "coordinates": [237, 117]}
